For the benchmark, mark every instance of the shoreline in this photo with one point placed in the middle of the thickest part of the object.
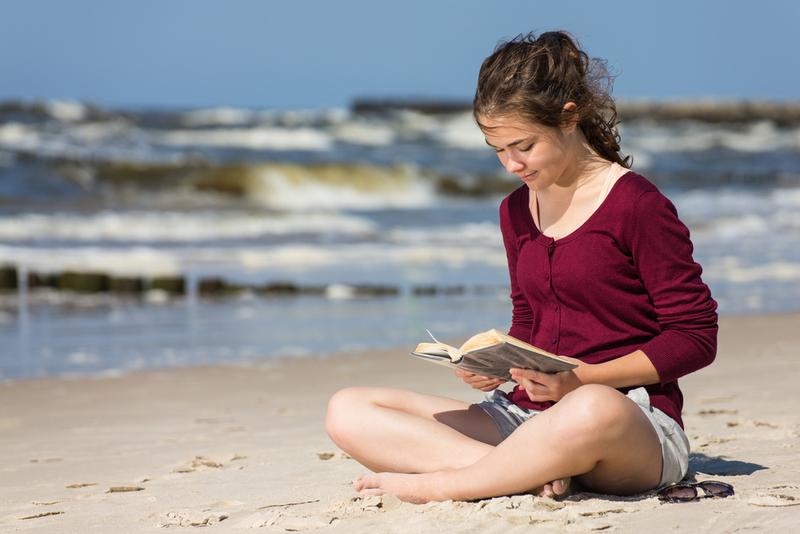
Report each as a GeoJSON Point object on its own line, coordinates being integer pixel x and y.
{"type": "Point", "coordinates": [278, 359]}
{"type": "Point", "coordinates": [247, 442]}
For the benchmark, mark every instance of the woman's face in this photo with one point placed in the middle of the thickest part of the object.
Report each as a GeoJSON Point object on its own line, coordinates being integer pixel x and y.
{"type": "Point", "coordinates": [538, 155]}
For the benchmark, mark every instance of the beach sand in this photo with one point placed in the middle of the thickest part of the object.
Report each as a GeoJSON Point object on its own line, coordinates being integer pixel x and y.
{"type": "Point", "coordinates": [240, 447]}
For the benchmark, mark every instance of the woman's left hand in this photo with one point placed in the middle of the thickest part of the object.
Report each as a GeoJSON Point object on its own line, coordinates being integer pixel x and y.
{"type": "Point", "coordinates": [547, 386]}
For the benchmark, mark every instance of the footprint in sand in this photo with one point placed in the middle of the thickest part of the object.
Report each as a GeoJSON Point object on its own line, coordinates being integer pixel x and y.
{"type": "Point", "coordinates": [358, 506]}
{"type": "Point", "coordinates": [776, 496]}
{"type": "Point", "coordinates": [773, 500]}
{"type": "Point", "coordinates": [286, 517]}
{"type": "Point", "coordinates": [199, 462]}
{"type": "Point", "coordinates": [81, 485]}
{"type": "Point", "coordinates": [753, 423]}
{"type": "Point", "coordinates": [37, 516]}
{"type": "Point", "coordinates": [332, 455]}
{"type": "Point", "coordinates": [706, 441]}
{"type": "Point", "coordinates": [124, 489]}
{"type": "Point", "coordinates": [188, 518]}
{"type": "Point", "coordinates": [720, 411]}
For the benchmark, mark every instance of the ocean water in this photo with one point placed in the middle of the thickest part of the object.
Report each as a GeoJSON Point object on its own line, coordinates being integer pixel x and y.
{"type": "Point", "coordinates": [331, 200]}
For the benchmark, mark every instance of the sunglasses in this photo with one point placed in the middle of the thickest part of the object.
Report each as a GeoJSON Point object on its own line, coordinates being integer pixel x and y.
{"type": "Point", "coordinates": [687, 492]}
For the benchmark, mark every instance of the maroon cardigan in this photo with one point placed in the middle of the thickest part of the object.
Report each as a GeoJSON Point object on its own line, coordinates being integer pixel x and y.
{"type": "Point", "coordinates": [624, 280]}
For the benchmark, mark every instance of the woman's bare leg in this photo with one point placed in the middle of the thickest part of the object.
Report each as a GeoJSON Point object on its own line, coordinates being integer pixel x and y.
{"type": "Point", "coordinates": [402, 431]}
{"type": "Point", "coordinates": [594, 433]}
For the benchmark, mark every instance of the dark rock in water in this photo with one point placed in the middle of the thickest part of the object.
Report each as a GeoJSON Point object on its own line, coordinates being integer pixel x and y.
{"type": "Point", "coordinates": [84, 282]}
{"type": "Point", "coordinates": [282, 289]}
{"type": "Point", "coordinates": [430, 291]}
{"type": "Point", "coordinates": [424, 291]}
{"type": "Point", "coordinates": [38, 280]}
{"type": "Point", "coordinates": [375, 291]}
{"type": "Point", "coordinates": [217, 286]}
{"type": "Point", "coordinates": [8, 278]}
{"type": "Point", "coordinates": [127, 285]}
{"type": "Point", "coordinates": [453, 290]}
{"type": "Point", "coordinates": [175, 285]}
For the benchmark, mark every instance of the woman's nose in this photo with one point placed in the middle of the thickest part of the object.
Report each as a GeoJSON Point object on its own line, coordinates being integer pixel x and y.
{"type": "Point", "coordinates": [513, 164]}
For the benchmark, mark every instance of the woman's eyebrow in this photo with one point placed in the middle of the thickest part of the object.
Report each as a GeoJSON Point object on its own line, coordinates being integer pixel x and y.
{"type": "Point", "coordinates": [518, 141]}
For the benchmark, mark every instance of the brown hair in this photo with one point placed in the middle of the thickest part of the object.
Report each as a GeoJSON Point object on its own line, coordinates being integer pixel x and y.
{"type": "Point", "coordinates": [534, 77]}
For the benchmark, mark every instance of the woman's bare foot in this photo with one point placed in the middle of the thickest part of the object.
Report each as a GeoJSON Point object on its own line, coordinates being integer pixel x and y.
{"type": "Point", "coordinates": [556, 489]}
{"type": "Point", "coordinates": [426, 487]}
{"type": "Point", "coordinates": [416, 489]}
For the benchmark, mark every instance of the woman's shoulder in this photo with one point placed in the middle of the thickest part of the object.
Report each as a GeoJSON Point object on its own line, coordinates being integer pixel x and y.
{"type": "Point", "coordinates": [633, 185]}
{"type": "Point", "coordinates": [515, 201]}
{"type": "Point", "coordinates": [514, 210]}
{"type": "Point", "coordinates": [634, 193]}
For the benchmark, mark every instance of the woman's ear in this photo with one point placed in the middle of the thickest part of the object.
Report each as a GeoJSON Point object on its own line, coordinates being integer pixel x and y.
{"type": "Point", "coordinates": [570, 110]}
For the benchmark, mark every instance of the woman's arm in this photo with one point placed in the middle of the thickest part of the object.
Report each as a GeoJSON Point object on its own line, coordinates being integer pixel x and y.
{"type": "Point", "coordinates": [634, 369]}
{"type": "Point", "coordinates": [521, 314]}
{"type": "Point", "coordinates": [662, 252]}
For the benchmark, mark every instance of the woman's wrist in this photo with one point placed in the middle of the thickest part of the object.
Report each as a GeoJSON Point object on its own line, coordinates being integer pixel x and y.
{"type": "Point", "coordinates": [634, 369]}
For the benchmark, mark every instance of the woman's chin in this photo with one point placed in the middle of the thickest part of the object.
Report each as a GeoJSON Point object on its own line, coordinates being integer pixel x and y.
{"type": "Point", "coordinates": [530, 178]}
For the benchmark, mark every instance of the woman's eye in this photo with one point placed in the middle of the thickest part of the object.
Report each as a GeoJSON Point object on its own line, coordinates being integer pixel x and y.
{"type": "Point", "coordinates": [526, 148]}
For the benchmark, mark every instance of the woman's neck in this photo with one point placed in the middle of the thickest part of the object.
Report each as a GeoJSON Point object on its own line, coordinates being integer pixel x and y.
{"type": "Point", "coordinates": [585, 171]}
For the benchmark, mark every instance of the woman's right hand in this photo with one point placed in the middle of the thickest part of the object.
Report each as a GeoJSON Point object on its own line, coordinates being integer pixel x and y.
{"type": "Point", "coordinates": [483, 383]}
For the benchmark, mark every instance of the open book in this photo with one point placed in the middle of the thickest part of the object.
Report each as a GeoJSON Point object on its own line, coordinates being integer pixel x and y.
{"type": "Point", "coordinates": [492, 353]}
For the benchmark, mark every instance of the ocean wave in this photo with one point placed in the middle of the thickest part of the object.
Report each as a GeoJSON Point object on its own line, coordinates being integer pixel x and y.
{"type": "Point", "coordinates": [133, 261]}
{"type": "Point", "coordinates": [221, 116]}
{"type": "Point", "coordinates": [729, 214]}
{"type": "Point", "coordinates": [460, 131]}
{"type": "Point", "coordinates": [731, 270]}
{"type": "Point", "coordinates": [484, 234]}
{"type": "Point", "coordinates": [256, 138]}
{"type": "Point", "coordinates": [109, 141]}
{"type": "Point", "coordinates": [336, 262]}
{"type": "Point", "coordinates": [66, 110]}
{"type": "Point", "coordinates": [690, 137]}
{"type": "Point", "coordinates": [366, 134]}
{"type": "Point", "coordinates": [281, 186]}
{"type": "Point", "coordinates": [171, 227]}
{"type": "Point", "coordinates": [301, 187]}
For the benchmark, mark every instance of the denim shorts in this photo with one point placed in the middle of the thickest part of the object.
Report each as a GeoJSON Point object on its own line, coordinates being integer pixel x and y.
{"type": "Point", "coordinates": [674, 443]}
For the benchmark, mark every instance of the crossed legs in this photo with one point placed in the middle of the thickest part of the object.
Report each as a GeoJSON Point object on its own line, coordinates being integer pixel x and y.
{"type": "Point", "coordinates": [427, 448]}
{"type": "Point", "coordinates": [406, 432]}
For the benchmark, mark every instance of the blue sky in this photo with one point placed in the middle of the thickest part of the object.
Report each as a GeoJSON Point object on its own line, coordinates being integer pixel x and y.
{"type": "Point", "coordinates": [313, 54]}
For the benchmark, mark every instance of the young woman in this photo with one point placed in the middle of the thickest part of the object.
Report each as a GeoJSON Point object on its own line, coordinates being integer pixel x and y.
{"type": "Point", "coordinates": [601, 270]}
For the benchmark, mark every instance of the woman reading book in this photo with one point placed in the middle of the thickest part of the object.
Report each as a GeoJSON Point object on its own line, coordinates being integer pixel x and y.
{"type": "Point", "coordinates": [601, 270]}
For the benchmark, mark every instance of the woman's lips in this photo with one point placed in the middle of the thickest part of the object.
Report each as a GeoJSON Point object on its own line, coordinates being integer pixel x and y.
{"type": "Point", "coordinates": [526, 176]}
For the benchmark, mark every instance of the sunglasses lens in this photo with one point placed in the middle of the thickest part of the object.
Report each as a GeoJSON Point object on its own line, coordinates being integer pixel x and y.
{"type": "Point", "coordinates": [678, 493]}
{"type": "Point", "coordinates": [718, 489]}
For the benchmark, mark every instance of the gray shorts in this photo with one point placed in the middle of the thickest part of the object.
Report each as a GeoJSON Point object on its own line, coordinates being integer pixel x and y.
{"type": "Point", "coordinates": [674, 443]}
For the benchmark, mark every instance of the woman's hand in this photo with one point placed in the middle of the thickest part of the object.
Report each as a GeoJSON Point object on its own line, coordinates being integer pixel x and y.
{"type": "Point", "coordinates": [483, 383]}
{"type": "Point", "coordinates": [547, 386]}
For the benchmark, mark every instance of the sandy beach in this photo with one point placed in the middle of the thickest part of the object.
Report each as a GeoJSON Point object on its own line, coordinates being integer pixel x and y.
{"type": "Point", "coordinates": [240, 447]}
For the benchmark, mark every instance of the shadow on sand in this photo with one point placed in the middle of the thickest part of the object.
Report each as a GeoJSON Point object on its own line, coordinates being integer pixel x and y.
{"type": "Point", "coordinates": [719, 465]}
{"type": "Point", "coordinates": [698, 463]}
